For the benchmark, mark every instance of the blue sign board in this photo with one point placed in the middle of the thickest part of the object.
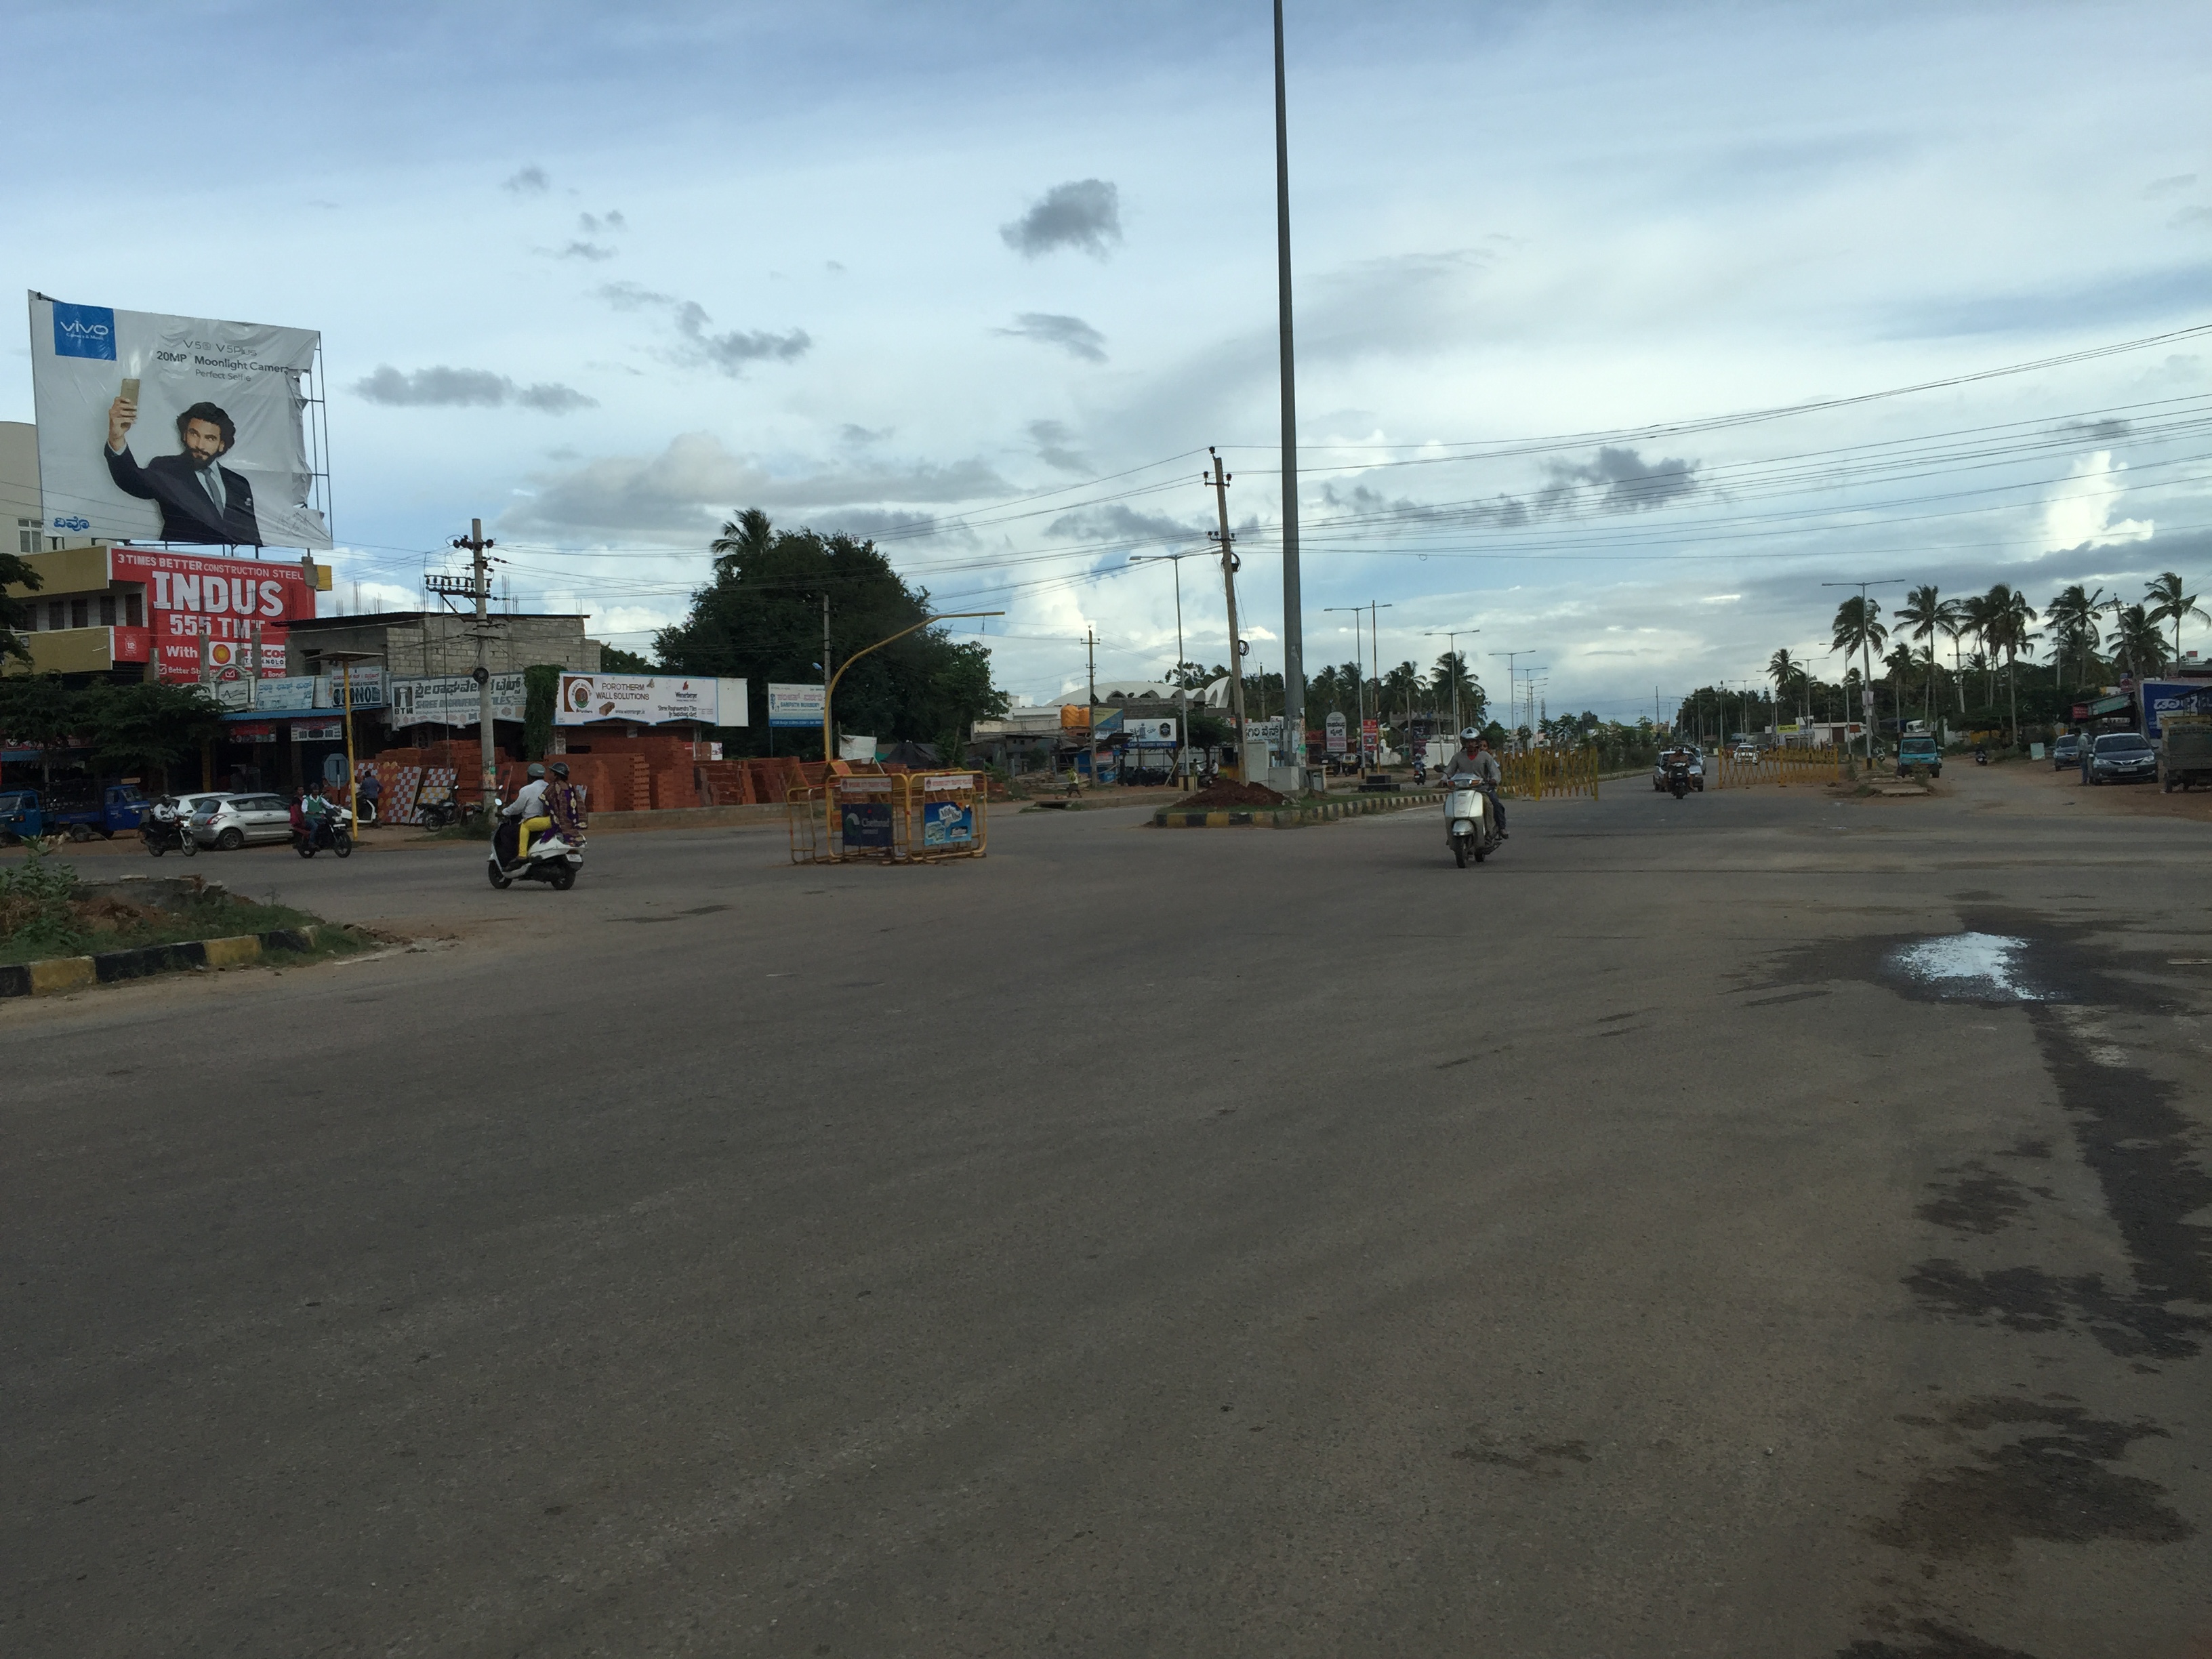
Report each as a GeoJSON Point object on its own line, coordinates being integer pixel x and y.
{"type": "Point", "coordinates": [2162, 697]}
{"type": "Point", "coordinates": [867, 822]}
{"type": "Point", "coordinates": [947, 823]}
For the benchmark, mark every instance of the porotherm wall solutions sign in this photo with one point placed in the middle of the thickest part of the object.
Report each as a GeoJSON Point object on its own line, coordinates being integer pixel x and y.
{"type": "Point", "coordinates": [650, 699]}
{"type": "Point", "coordinates": [191, 596]}
{"type": "Point", "coordinates": [177, 429]}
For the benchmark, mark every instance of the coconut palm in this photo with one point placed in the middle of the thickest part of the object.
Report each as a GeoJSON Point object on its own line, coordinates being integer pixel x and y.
{"type": "Point", "coordinates": [2006, 616]}
{"type": "Point", "coordinates": [1923, 613]}
{"type": "Point", "coordinates": [1403, 685]}
{"type": "Point", "coordinates": [2168, 603]}
{"type": "Point", "coordinates": [2138, 642]}
{"type": "Point", "coordinates": [2072, 614]}
{"type": "Point", "coordinates": [1785, 670]}
{"type": "Point", "coordinates": [1857, 630]}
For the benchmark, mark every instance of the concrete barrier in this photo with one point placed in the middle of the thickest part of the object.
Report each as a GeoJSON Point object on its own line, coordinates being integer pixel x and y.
{"type": "Point", "coordinates": [56, 975]}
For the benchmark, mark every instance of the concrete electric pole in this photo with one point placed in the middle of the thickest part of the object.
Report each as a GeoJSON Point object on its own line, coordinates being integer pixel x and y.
{"type": "Point", "coordinates": [480, 588]}
{"type": "Point", "coordinates": [1218, 484]}
{"type": "Point", "coordinates": [1294, 633]}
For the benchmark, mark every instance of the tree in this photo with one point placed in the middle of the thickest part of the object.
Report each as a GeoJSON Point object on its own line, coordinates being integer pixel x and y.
{"type": "Point", "coordinates": [760, 616]}
{"type": "Point", "coordinates": [15, 614]}
{"type": "Point", "coordinates": [38, 709]}
{"type": "Point", "coordinates": [1456, 688]}
{"type": "Point", "coordinates": [615, 661]}
{"type": "Point", "coordinates": [2168, 603]}
{"type": "Point", "coordinates": [1857, 631]}
{"type": "Point", "coordinates": [1403, 682]}
{"type": "Point", "coordinates": [2138, 642]}
{"type": "Point", "coordinates": [2006, 615]}
{"type": "Point", "coordinates": [150, 725]}
{"type": "Point", "coordinates": [2072, 615]}
{"type": "Point", "coordinates": [1924, 610]}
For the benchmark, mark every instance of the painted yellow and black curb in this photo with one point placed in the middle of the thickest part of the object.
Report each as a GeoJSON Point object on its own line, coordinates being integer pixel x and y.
{"type": "Point", "coordinates": [57, 974]}
{"type": "Point", "coordinates": [1290, 818]}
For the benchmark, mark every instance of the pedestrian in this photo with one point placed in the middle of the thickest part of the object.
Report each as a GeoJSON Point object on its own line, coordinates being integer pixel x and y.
{"type": "Point", "coordinates": [2086, 743]}
{"type": "Point", "coordinates": [368, 793]}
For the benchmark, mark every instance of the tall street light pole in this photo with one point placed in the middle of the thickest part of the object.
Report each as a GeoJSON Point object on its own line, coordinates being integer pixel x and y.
{"type": "Point", "coordinates": [1451, 640]}
{"type": "Point", "coordinates": [1183, 691]}
{"type": "Point", "coordinates": [1294, 646]}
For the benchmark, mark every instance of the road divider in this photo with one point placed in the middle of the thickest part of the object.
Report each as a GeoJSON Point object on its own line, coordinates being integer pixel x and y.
{"type": "Point", "coordinates": [54, 974]}
{"type": "Point", "coordinates": [1294, 815]}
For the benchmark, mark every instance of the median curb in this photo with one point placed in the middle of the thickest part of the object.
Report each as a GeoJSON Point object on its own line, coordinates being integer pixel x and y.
{"type": "Point", "coordinates": [1291, 817]}
{"type": "Point", "coordinates": [56, 975]}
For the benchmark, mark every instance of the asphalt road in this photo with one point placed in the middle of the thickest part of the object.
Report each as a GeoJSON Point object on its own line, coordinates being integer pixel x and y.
{"type": "Point", "coordinates": [1146, 1242]}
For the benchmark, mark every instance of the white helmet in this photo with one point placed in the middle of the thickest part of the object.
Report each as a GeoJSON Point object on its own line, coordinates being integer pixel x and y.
{"type": "Point", "coordinates": [1472, 733]}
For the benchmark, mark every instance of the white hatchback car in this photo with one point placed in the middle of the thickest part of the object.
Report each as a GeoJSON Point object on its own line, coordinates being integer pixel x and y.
{"type": "Point", "coordinates": [229, 822]}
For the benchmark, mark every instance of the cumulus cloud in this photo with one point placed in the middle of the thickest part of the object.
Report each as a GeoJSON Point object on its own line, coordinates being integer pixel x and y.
{"type": "Point", "coordinates": [2173, 185]}
{"type": "Point", "coordinates": [530, 181]}
{"type": "Point", "coordinates": [696, 347]}
{"type": "Point", "coordinates": [686, 491]}
{"type": "Point", "coordinates": [591, 251]}
{"type": "Point", "coordinates": [2080, 514]}
{"type": "Point", "coordinates": [593, 223]}
{"type": "Point", "coordinates": [1121, 523]}
{"type": "Point", "coordinates": [1084, 213]}
{"type": "Point", "coordinates": [1071, 334]}
{"type": "Point", "coordinates": [1052, 441]}
{"type": "Point", "coordinates": [2110, 429]}
{"type": "Point", "coordinates": [466, 388]}
{"type": "Point", "coordinates": [858, 435]}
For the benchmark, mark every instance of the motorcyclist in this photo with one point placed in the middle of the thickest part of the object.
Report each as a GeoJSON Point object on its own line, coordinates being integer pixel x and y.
{"type": "Point", "coordinates": [1475, 761]}
{"type": "Point", "coordinates": [564, 805]}
{"type": "Point", "coordinates": [519, 815]}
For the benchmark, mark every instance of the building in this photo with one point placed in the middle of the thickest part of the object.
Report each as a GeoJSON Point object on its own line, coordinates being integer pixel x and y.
{"type": "Point", "coordinates": [435, 644]}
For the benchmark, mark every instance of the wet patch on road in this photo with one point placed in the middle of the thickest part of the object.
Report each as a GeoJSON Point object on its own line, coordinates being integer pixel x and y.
{"type": "Point", "coordinates": [1977, 1199]}
{"type": "Point", "coordinates": [2054, 1487]}
{"type": "Point", "coordinates": [1931, 1640]}
{"type": "Point", "coordinates": [1543, 1461]}
{"type": "Point", "coordinates": [2126, 1325]}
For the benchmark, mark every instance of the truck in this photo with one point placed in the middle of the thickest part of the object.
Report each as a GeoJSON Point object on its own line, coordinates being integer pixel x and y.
{"type": "Point", "coordinates": [1919, 751]}
{"type": "Point", "coordinates": [79, 808]}
{"type": "Point", "coordinates": [2184, 751]}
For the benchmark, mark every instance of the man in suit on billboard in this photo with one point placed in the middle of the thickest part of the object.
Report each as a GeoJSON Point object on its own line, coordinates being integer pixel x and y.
{"type": "Point", "coordinates": [201, 499]}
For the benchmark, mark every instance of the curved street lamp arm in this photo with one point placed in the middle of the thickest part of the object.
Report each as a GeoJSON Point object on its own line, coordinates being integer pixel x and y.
{"type": "Point", "coordinates": [830, 689]}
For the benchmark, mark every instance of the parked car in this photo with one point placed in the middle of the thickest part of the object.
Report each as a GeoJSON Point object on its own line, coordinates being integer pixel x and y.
{"type": "Point", "coordinates": [232, 821]}
{"type": "Point", "coordinates": [2123, 757]}
{"type": "Point", "coordinates": [2066, 752]}
{"type": "Point", "coordinates": [188, 806]}
{"type": "Point", "coordinates": [1687, 751]}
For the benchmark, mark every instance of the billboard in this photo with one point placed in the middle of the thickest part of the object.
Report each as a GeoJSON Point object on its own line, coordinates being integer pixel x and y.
{"type": "Point", "coordinates": [791, 705]}
{"type": "Point", "coordinates": [191, 596]}
{"type": "Point", "coordinates": [2164, 697]}
{"type": "Point", "coordinates": [163, 429]}
{"type": "Point", "coordinates": [1151, 733]}
{"type": "Point", "coordinates": [453, 699]}
{"type": "Point", "coordinates": [650, 699]}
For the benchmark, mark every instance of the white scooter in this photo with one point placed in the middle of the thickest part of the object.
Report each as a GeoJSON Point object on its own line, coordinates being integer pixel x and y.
{"type": "Point", "coordinates": [1470, 822]}
{"type": "Point", "coordinates": [549, 859]}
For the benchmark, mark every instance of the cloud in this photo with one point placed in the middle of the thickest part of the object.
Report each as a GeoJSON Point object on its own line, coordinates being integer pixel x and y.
{"type": "Point", "coordinates": [593, 223]}
{"type": "Point", "coordinates": [1084, 213]}
{"type": "Point", "coordinates": [2171, 186]}
{"type": "Point", "coordinates": [1071, 334]}
{"type": "Point", "coordinates": [530, 181]}
{"type": "Point", "coordinates": [2191, 215]}
{"type": "Point", "coordinates": [2110, 429]}
{"type": "Point", "coordinates": [685, 492]}
{"type": "Point", "coordinates": [466, 388]}
{"type": "Point", "coordinates": [2080, 514]}
{"type": "Point", "coordinates": [1626, 482]}
{"type": "Point", "coordinates": [591, 251]}
{"type": "Point", "coordinates": [867, 523]}
{"type": "Point", "coordinates": [1119, 523]}
{"type": "Point", "coordinates": [697, 348]}
{"type": "Point", "coordinates": [1051, 439]}
{"type": "Point", "coordinates": [2152, 295]}
{"type": "Point", "coordinates": [863, 434]}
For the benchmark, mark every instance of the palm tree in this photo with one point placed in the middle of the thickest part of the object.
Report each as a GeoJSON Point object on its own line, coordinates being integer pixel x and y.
{"type": "Point", "coordinates": [1402, 682]}
{"type": "Point", "coordinates": [2168, 603]}
{"type": "Point", "coordinates": [1786, 671]}
{"type": "Point", "coordinates": [1859, 630]}
{"type": "Point", "coordinates": [2137, 641]}
{"type": "Point", "coordinates": [1454, 685]}
{"type": "Point", "coordinates": [2006, 616]}
{"type": "Point", "coordinates": [745, 536]}
{"type": "Point", "coordinates": [2072, 614]}
{"type": "Point", "coordinates": [1952, 619]}
{"type": "Point", "coordinates": [1974, 618]}
{"type": "Point", "coordinates": [1923, 610]}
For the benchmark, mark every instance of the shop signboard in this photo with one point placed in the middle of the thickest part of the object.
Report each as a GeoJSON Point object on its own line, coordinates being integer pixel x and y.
{"type": "Point", "coordinates": [1269, 732]}
{"type": "Point", "coordinates": [192, 596]}
{"type": "Point", "coordinates": [453, 699]}
{"type": "Point", "coordinates": [362, 685]}
{"type": "Point", "coordinates": [649, 699]}
{"type": "Point", "coordinates": [2164, 697]}
{"type": "Point", "coordinates": [1151, 733]}
{"type": "Point", "coordinates": [177, 429]}
{"type": "Point", "coordinates": [1335, 727]}
{"type": "Point", "coordinates": [791, 705]}
{"type": "Point", "coordinates": [1371, 737]}
{"type": "Point", "coordinates": [317, 731]}
{"type": "Point", "coordinates": [1104, 723]}
{"type": "Point", "coordinates": [273, 696]}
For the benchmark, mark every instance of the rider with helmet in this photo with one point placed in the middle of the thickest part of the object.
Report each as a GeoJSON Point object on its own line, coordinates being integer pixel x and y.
{"type": "Point", "coordinates": [519, 816]}
{"type": "Point", "coordinates": [1475, 761]}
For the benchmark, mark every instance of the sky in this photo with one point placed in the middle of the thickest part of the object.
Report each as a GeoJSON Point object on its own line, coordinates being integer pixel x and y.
{"type": "Point", "coordinates": [986, 280]}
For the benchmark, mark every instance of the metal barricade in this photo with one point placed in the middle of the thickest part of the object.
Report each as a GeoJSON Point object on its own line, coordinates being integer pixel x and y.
{"type": "Point", "coordinates": [947, 816]}
{"type": "Point", "coordinates": [917, 817]}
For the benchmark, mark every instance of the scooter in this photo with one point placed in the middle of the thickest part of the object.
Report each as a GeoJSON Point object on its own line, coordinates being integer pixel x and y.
{"type": "Point", "coordinates": [1981, 755]}
{"type": "Point", "coordinates": [1470, 822]}
{"type": "Point", "coordinates": [550, 858]}
{"type": "Point", "coordinates": [333, 831]}
{"type": "Point", "coordinates": [163, 832]}
{"type": "Point", "coordinates": [1678, 781]}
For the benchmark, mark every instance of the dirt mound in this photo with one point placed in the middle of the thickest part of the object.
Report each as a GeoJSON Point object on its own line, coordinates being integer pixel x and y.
{"type": "Point", "coordinates": [1230, 793]}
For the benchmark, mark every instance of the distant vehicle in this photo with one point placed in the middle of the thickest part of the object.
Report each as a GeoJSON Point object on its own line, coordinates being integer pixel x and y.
{"type": "Point", "coordinates": [2123, 757]}
{"type": "Point", "coordinates": [21, 817]}
{"type": "Point", "coordinates": [231, 822]}
{"type": "Point", "coordinates": [78, 807]}
{"type": "Point", "coordinates": [1693, 762]}
{"type": "Point", "coordinates": [1914, 752]}
{"type": "Point", "coordinates": [2066, 752]}
{"type": "Point", "coordinates": [188, 806]}
{"type": "Point", "coordinates": [1747, 754]}
{"type": "Point", "coordinates": [2185, 755]}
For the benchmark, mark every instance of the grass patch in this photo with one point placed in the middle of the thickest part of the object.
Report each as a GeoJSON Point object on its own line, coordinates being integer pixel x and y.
{"type": "Point", "coordinates": [43, 915]}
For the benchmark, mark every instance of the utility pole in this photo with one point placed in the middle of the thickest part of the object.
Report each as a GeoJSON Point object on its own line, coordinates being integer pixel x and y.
{"type": "Point", "coordinates": [480, 586]}
{"type": "Point", "coordinates": [1090, 661]}
{"type": "Point", "coordinates": [1358, 683]}
{"type": "Point", "coordinates": [1294, 637]}
{"type": "Point", "coordinates": [1220, 485]}
{"type": "Point", "coordinates": [1512, 686]}
{"type": "Point", "coordinates": [1375, 654]}
{"type": "Point", "coordinates": [1451, 644]}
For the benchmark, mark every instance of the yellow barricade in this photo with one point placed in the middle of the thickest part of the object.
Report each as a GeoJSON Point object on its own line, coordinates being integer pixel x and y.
{"type": "Point", "coordinates": [915, 817]}
{"type": "Point", "coordinates": [1543, 773]}
{"type": "Point", "coordinates": [1783, 765]}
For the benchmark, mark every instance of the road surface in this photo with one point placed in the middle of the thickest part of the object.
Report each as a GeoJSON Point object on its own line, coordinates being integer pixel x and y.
{"type": "Point", "coordinates": [1234, 1242]}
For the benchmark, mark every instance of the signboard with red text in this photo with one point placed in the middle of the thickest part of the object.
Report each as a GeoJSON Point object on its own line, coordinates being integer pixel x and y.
{"type": "Point", "coordinates": [190, 596]}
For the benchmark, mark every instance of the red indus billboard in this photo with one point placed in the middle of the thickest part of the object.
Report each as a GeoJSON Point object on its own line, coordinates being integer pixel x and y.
{"type": "Point", "coordinates": [190, 596]}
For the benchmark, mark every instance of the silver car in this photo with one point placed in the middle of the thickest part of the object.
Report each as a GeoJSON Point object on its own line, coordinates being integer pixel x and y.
{"type": "Point", "coordinates": [232, 821]}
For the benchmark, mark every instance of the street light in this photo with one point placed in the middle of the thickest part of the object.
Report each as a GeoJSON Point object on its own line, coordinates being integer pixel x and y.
{"type": "Point", "coordinates": [830, 690]}
{"type": "Point", "coordinates": [1452, 646]}
{"type": "Point", "coordinates": [1183, 691]}
{"type": "Point", "coordinates": [1866, 674]}
{"type": "Point", "coordinates": [1359, 690]}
